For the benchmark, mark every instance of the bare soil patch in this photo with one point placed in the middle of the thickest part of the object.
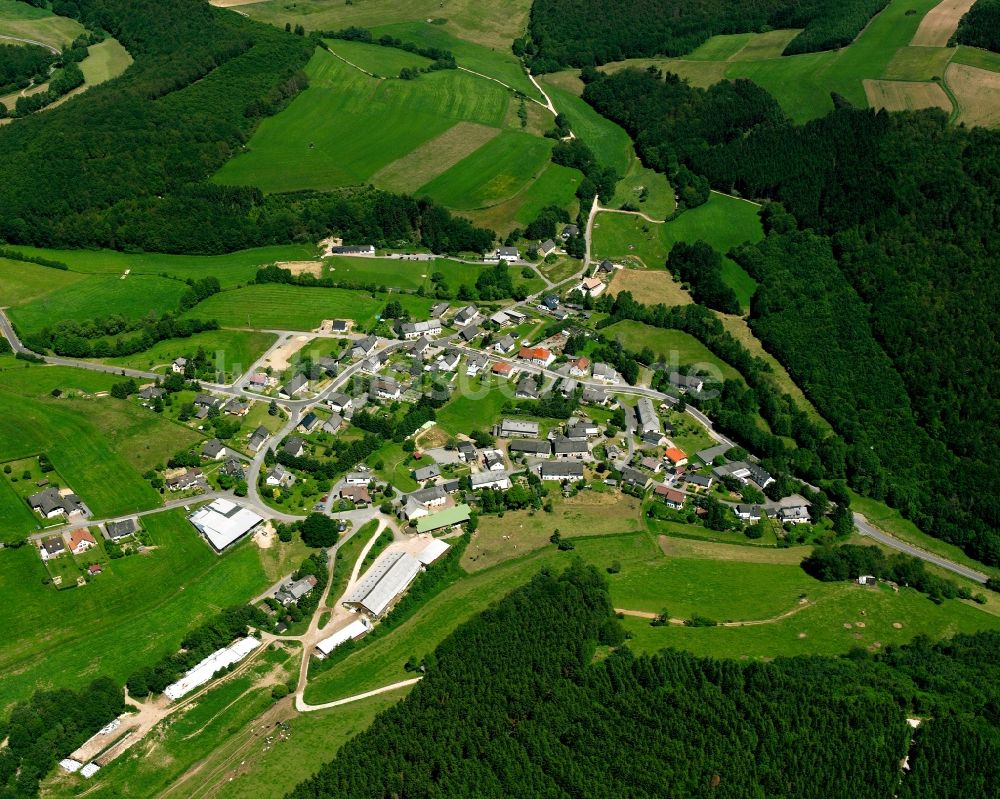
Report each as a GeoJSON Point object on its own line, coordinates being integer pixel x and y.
{"type": "Point", "coordinates": [978, 94]}
{"type": "Point", "coordinates": [231, 3]}
{"type": "Point", "coordinates": [904, 95]}
{"type": "Point", "coordinates": [303, 267]}
{"type": "Point", "coordinates": [652, 285]}
{"type": "Point", "coordinates": [940, 23]}
{"type": "Point", "coordinates": [280, 359]}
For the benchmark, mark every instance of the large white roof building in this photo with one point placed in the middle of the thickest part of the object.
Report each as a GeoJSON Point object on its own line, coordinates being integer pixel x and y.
{"type": "Point", "coordinates": [355, 629]}
{"type": "Point", "coordinates": [223, 522]}
{"type": "Point", "coordinates": [216, 662]}
{"type": "Point", "coordinates": [390, 575]}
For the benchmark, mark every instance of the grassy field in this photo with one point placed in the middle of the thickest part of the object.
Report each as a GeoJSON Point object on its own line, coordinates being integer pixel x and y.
{"type": "Point", "coordinates": [24, 21]}
{"type": "Point", "coordinates": [651, 285]}
{"type": "Point", "coordinates": [610, 143]}
{"type": "Point", "coordinates": [629, 239]}
{"type": "Point", "coordinates": [493, 26]}
{"type": "Point", "coordinates": [105, 61]}
{"type": "Point", "coordinates": [22, 282]}
{"type": "Point", "coordinates": [51, 637]}
{"type": "Point", "coordinates": [395, 466]}
{"type": "Point", "coordinates": [975, 57]}
{"type": "Point", "coordinates": [347, 126]}
{"type": "Point", "coordinates": [383, 61]}
{"type": "Point", "coordinates": [977, 92]}
{"type": "Point", "coordinates": [556, 185]}
{"type": "Point", "coordinates": [473, 410]}
{"type": "Point", "coordinates": [905, 95]}
{"type": "Point", "coordinates": [99, 446]}
{"type": "Point", "coordinates": [403, 274]}
{"type": "Point", "coordinates": [232, 351]}
{"type": "Point", "coordinates": [660, 201]}
{"type": "Point", "coordinates": [699, 577]}
{"type": "Point", "coordinates": [99, 296]}
{"type": "Point", "coordinates": [231, 269]}
{"type": "Point", "coordinates": [674, 347]}
{"type": "Point", "coordinates": [298, 308]}
{"type": "Point", "coordinates": [497, 171]}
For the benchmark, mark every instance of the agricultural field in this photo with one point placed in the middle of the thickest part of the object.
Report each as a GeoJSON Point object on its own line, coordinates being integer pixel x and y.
{"type": "Point", "coordinates": [651, 285]}
{"type": "Point", "coordinates": [492, 26]}
{"type": "Point", "coordinates": [977, 92]}
{"type": "Point", "coordinates": [497, 171]}
{"type": "Point", "coordinates": [630, 240]}
{"type": "Point", "coordinates": [556, 185]}
{"type": "Point", "coordinates": [903, 95]}
{"type": "Point", "coordinates": [674, 347]}
{"type": "Point", "coordinates": [98, 297]}
{"type": "Point", "coordinates": [51, 636]}
{"type": "Point", "coordinates": [385, 62]}
{"type": "Point", "coordinates": [233, 351]}
{"type": "Point", "coordinates": [645, 190]}
{"type": "Point", "coordinates": [24, 21]}
{"type": "Point", "coordinates": [100, 446]}
{"type": "Point", "coordinates": [22, 282]}
{"type": "Point", "coordinates": [274, 306]}
{"type": "Point", "coordinates": [347, 125]}
{"type": "Point", "coordinates": [402, 274]}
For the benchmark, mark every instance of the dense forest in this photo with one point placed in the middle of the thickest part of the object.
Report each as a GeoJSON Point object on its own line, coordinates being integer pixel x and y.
{"type": "Point", "coordinates": [581, 33]}
{"type": "Point", "coordinates": [877, 287]}
{"type": "Point", "coordinates": [514, 704]}
{"type": "Point", "coordinates": [980, 27]}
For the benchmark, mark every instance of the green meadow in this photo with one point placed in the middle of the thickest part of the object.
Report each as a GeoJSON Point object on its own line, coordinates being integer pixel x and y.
{"type": "Point", "coordinates": [404, 274]}
{"type": "Point", "coordinates": [135, 611]}
{"type": "Point", "coordinates": [100, 446]}
{"type": "Point", "coordinates": [231, 269]}
{"type": "Point", "coordinates": [232, 350]}
{"type": "Point", "coordinates": [275, 306]}
{"type": "Point", "coordinates": [383, 61]}
{"type": "Point", "coordinates": [347, 126]}
{"type": "Point", "coordinates": [25, 21]}
{"type": "Point", "coordinates": [675, 347]}
{"type": "Point", "coordinates": [22, 282]}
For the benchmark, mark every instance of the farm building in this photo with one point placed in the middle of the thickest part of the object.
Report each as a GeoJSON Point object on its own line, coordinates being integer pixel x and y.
{"type": "Point", "coordinates": [459, 514]}
{"type": "Point", "coordinates": [223, 522]}
{"type": "Point", "coordinates": [561, 471]}
{"type": "Point", "coordinates": [482, 480]}
{"type": "Point", "coordinates": [388, 577]}
{"type": "Point", "coordinates": [646, 415]}
{"type": "Point", "coordinates": [351, 632]}
{"type": "Point", "coordinates": [510, 428]}
{"type": "Point", "coordinates": [210, 666]}
{"type": "Point", "coordinates": [531, 446]}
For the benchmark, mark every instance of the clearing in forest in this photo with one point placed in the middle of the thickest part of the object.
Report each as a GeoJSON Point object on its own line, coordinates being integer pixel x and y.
{"type": "Point", "coordinates": [903, 95]}
{"type": "Point", "coordinates": [651, 285]}
{"type": "Point", "coordinates": [937, 27]}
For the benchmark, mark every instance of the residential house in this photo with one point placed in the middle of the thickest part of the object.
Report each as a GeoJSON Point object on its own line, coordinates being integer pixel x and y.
{"type": "Point", "coordinates": [294, 447]}
{"type": "Point", "coordinates": [81, 540]}
{"type": "Point", "coordinates": [466, 452]}
{"type": "Point", "coordinates": [504, 345]}
{"type": "Point", "coordinates": [515, 316]}
{"type": "Point", "coordinates": [607, 374]}
{"type": "Point", "coordinates": [364, 347]}
{"type": "Point", "coordinates": [670, 497]}
{"type": "Point", "coordinates": [428, 472]}
{"type": "Point", "coordinates": [51, 547]}
{"type": "Point", "coordinates": [634, 477]}
{"type": "Point", "coordinates": [591, 287]}
{"type": "Point", "coordinates": [687, 382]}
{"type": "Point", "coordinates": [50, 503]}
{"type": "Point", "coordinates": [530, 446]}
{"type": "Point", "coordinates": [470, 332]}
{"type": "Point", "coordinates": [794, 514]}
{"type": "Point", "coordinates": [508, 254]}
{"type": "Point", "coordinates": [419, 348]}
{"type": "Point", "coordinates": [358, 478]}
{"type": "Point", "coordinates": [293, 387]}
{"type": "Point", "coordinates": [676, 457]}
{"type": "Point", "coordinates": [339, 325]}
{"type": "Point", "coordinates": [178, 366]}
{"type": "Point", "coordinates": [415, 330]}
{"type": "Point", "coordinates": [187, 479]}
{"type": "Point", "coordinates": [466, 316]}
{"type": "Point", "coordinates": [564, 448]}
{"type": "Point", "coordinates": [546, 248]}
{"type": "Point", "coordinates": [340, 402]}
{"type": "Point", "coordinates": [517, 428]}
{"type": "Point", "coordinates": [579, 367]}
{"type": "Point", "coordinates": [646, 416]}
{"type": "Point", "coordinates": [213, 450]}
{"type": "Point", "coordinates": [606, 267]}
{"type": "Point", "coordinates": [386, 388]}
{"type": "Point", "coordinates": [738, 469]}
{"type": "Point", "coordinates": [357, 494]}
{"type": "Point", "coordinates": [751, 513]}
{"type": "Point", "coordinates": [708, 456]}
{"type": "Point", "coordinates": [490, 479]}
{"type": "Point", "coordinates": [500, 319]}
{"type": "Point", "coordinates": [503, 369]}
{"type": "Point", "coordinates": [539, 356]}
{"type": "Point", "coordinates": [474, 364]}
{"type": "Point", "coordinates": [237, 407]}
{"type": "Point", "coordinates": [561, 471]}
{"type": "Point", "coordinates": [493, 460]}
{"type": "Point", "coordinates": [697, 480]}
{"type": "Point", "coordinates": [293, 591]}
{"type": "Point", "coordinates": [151, 393]}
{"type": "Point", "coordinates": [652, 464]}
{"type": "Point", "coordinates": [258, 438]}
{"type": "Point", "coordinates": [550, 301]}
{"type": "Point", "coordinates": [328, 366]}
{"type": "Point", "coordinates": [205, 401]}
{"type": "Point", "coordinates": [594, 396]}
{"type": "Point", "coordinates": [760, 475]}
{"type": "Point", "coordinates": [234, 468]}
{"type": "Point", "coordinates": [448, 361]}
{"type": "Point", "coordinates": [567, 386]}
{"type": "Point", "coordinates": [279, 477]}
{"type": "Point", "coordinates": [653, 438]}
{"type": "Point", "coordinates": [526, 389]}
{"type": "Point", "coordinates": [94, 569]}
{"type": "Point", "coordinates": [439, 310]}
{"type": "Point", "coordinates": [333, 424]}
{"type": "Point", "coordinates": [569, 231]}
{"type": "Point", "coordinates": [310, 422]}
{"type": "Point", "coordinates": [258, 380]}
{"type": "Point", "coordinates": [116, 531]}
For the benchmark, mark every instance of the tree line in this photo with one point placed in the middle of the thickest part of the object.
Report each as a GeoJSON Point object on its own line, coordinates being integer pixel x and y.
{"type": "Point", "coordinates": [980, 26]}
{"type": "Point", "coordinates": [571, 33]}
{"type": "Point", "coordinates": [439, 57]}
{"type": "Point", "coordinates": [513, 703]}
{"type": "Point", "coordinates": [873, 207]}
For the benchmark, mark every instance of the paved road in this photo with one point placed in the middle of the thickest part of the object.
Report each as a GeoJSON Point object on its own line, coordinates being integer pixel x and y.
{"type": "Point", "coordinates": [866, 529]}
